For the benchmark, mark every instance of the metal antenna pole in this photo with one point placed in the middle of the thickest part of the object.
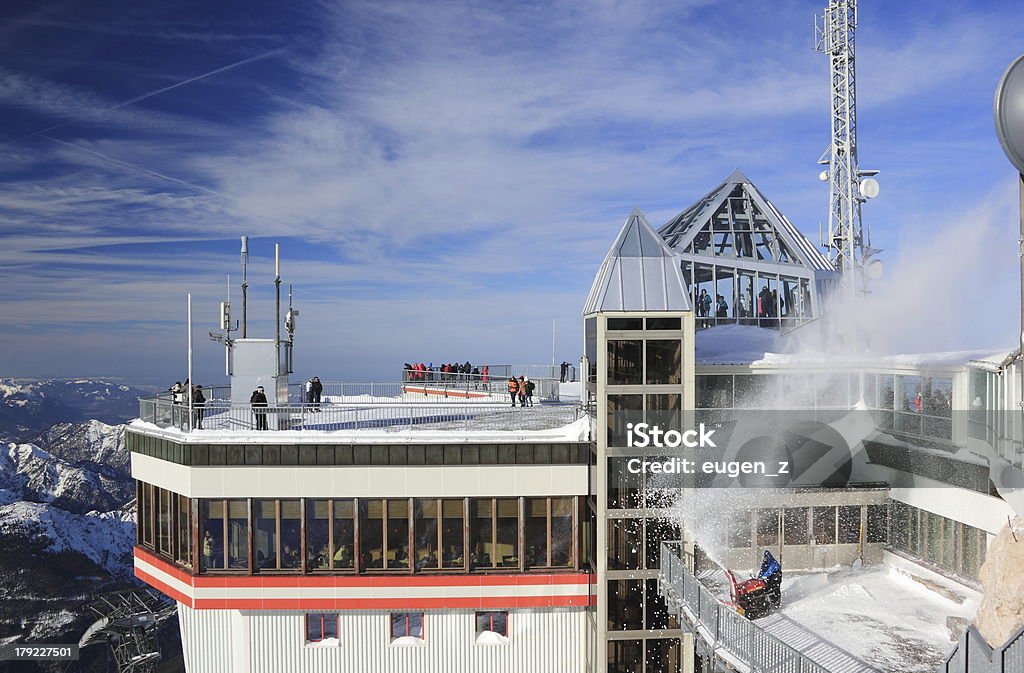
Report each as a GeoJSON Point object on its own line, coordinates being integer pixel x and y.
{"type": "Point", "coordinates": [191, 383]}
{"type": "Point", "coordinates": [846, 239]}
{"type": "Point", "coordinates": [277, 308]}
{"type": "Point", "coordinates": [245, 283]}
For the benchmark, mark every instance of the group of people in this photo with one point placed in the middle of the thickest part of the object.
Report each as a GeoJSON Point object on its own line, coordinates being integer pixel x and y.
{"type": "Point", "coordinates": [767, 304]}
{"type": "Point", "coordinates": [445, 372]}
{"type": "Point", "coordinates": [180, 393]}
{"type": "Point", "coordinates": [522, 388]}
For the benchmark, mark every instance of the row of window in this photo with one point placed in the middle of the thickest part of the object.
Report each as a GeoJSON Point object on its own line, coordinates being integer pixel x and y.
{"type": "Point", "coordinates": [324, 626]}
{"type": "Point", "coordinates": [560, 453]}
{"type": "Point", "coordinates": [941, 541]}
{"type": "Point", "coordinates": [360, 534]}
{"type": "Point", "coordinates": [805, 525]}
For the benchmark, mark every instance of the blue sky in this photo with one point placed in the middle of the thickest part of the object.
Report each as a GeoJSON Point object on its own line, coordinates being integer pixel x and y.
{"type": "Point", "coordinates": [444, 178]}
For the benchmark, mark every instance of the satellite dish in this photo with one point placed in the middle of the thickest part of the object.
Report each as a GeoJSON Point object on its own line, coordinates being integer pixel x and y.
{"type": "Point", "coordinates": [869, 188]}
{"type": "Point", "coordinates": [823, 176]}
{"type": "Point", "coordinates": [874, 269]}
{"type": "Point", "coordinates": [1009, 113]}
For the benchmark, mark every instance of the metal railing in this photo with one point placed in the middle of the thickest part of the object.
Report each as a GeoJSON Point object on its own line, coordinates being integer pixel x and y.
{"type": "Point", "coordinates": [218, 414]}
{"type": "Point", "coordinates": [727, 634]}
{"type": "Point", "coordinates": [972, 654]}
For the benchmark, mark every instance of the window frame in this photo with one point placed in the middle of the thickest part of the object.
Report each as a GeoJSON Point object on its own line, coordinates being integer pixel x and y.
{"type": "Point", "coordinates": [323, 618]}
{"type": "Point", "coordinates": [406, 618]}
{"type": "Point", "coordinates": [490, 614]}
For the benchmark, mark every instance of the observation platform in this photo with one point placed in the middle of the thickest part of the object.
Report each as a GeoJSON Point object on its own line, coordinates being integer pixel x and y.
{"type": "Point", "coordinates": [890, 617]}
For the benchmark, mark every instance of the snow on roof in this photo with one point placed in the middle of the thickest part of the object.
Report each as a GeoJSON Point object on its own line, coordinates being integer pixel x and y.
{"type": "Point", "coordinates": [639, 274]}
{"type": "Point", "coordinates": [735, 344]}
{"type": "Point", "coordinates": [577, 431]}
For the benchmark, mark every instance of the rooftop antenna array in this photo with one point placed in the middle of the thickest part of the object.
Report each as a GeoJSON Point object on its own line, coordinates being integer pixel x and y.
{"type": "Point", "coordinates": [848, 241]}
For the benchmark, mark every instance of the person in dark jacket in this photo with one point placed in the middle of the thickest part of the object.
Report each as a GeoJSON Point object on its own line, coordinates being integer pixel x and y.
{"type": "Point", "coordinates": [522, 390]}
{"type": "Point", "coordinates": [513, 389]}
{"type": "Point", "coordinates": [259, 407]}
{"type": "Point", "coordinates": [529, 385]}
{"type": "Point", "coordinates": [318, 391]}
{"type": "Point", "coordinates": [198, 406]}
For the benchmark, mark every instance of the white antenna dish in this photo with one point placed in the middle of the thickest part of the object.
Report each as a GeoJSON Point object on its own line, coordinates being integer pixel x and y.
{"type": "Point", "coordinates": [823, 176]}
{"type": "Point", "coordinates": [869, 188]}
{"type": "Point", "coordinates": [874, 269]}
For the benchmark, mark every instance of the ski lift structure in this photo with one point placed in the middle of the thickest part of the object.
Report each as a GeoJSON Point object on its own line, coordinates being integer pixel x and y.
{"type": "Point", "coordinates": [128, 622]}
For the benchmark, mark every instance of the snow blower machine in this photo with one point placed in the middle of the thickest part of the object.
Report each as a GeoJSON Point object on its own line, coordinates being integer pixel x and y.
{"type": "Point", "coordinates": [758, 596]}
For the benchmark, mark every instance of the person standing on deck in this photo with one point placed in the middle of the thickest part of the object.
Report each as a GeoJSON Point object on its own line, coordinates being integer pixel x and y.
{"type": "Point", "coordinates": [198, 406]}
{"type": "Point", "coordinates": [513, 389]}
{"type": "Point", "coordinates": [318, 390]}
{"type": "Point", "coordinates": [258, 401]}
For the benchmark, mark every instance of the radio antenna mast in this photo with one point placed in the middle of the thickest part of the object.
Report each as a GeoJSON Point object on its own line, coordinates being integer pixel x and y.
{"type": "Point", "coordinates": [848, 241]}
{"type": "Point", "coordinates": [245, 281]}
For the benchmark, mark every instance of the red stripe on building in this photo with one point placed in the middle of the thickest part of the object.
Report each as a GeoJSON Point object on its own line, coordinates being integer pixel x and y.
{"type": "Point", "coordinates": [490, 602]}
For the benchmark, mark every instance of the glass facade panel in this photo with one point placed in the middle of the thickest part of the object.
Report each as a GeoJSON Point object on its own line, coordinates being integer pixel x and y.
{"type": "Point", "coordinates": [397, 555]}
{"type": "Point", "coordinates": [624, 487]}
{"type": "Point", "coordinates": [625, 540]}
{"type": "Point", "coordinates": [824, 525]}
{"type": "Point", "coordinates": [625, 362]}
{"type": "Point", "coordinates": [344, 532]}
{"type": "Point", "coordinates": [622, 410]}
{"type": "Point", "coordinates": [264, 535]}
{"type": "Point", "coordinates": [291, 534]}
{"type": "Point", "coordinates": [211, 522]}
{"type": "Point", "coordinates": [849, 524]}
{"type": "Point", "coordinates": [795, 525]}
{"type": "Point", "coordinates": [657, 531]}
{"type": "Point", "coordinates": [481, 533]}
{"type": "Point", "coordinates": [664, 361]}
{"type": "Point", "coordinates": [184, 531]}
{"type": "Point", "coordinates": [453, 523]}
{"type": "Point", "coordinates": [625, 656]}
{"type": "Point", "coordinates": [425, 526]}
{"type": "Point", "coordinates": [562, 546]}
{"type": "Point", "coordinates": [318, 534]}
{"type": "Point", "coordinates": [507, 551]}
{"type": "Point", "coordinates": [878, 523]}
{"type": "Point", "coordinates": [656, 614]}
{"type": "Point", "coordinates": [714, 392]}
{"type": "Point", "coordinates": [767, 527]}
{"type": "Point", "coordinates": [663, 655]}
{"type": "Point", "coordinates": [238, 534]}
{"type": "Point", "coordinates": [537, 531]}
{"type": "Point", "coordinates": [625, 605]}
{"type": "Point", "coordinates": [739, 530]}
{"type": "Point", "coordinates": [371, 533]}
{"type": "Point", "coordinates": [664, 323]}
{"type": "Point", "coordinates": [630, 324]}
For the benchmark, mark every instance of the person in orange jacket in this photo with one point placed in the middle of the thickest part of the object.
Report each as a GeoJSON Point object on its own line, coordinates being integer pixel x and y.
{"type": "Point", "coordinates": [513, 389]}
{"type": "Point", "coordinates": [522, 390]}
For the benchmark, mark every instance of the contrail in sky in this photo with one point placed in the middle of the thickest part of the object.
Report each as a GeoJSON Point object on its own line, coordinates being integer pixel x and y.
{"type": "Point", "coordinates": [132, 101]}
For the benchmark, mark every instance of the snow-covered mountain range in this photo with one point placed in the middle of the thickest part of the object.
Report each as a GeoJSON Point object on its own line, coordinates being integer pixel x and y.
{"type": "Point", "coordinates": [67, 511]}
{"type": "Point", "coordinates": [30, 407]}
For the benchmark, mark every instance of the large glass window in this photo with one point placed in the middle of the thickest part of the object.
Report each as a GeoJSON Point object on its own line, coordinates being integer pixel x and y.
{"type": "Point", "coordinates": [165, 521]}
{"type": "Point", "coordinates": [549, 532]}
{"type": "Point", "coordinates": [625, 361]}
{"type": "Point", "coordinates": [343, 549]}
{"type": "Point", "coordinates": [878, 523]}
{"type": "Point", "coordinates": [397, 556]}
{"type": "Point", "coordinates": [739, 529]}
{"type": "Point", "coordinates": [623, 410]}
{"type": "Point", "coordinates": [656, 614]}
{"type": "Point", "coordinates": [276, 534]}
{"type": "Point", "coordinates": [371, 533]}
{"type": "Point", "coordinates": [767, 527]}
{"type": "Point", "coordinates": [663, 655]}
{"type": "Point", "coordinates": [624, 656]}
{"type": "Point", "coordinates": [623, 485]}
{"type": "Point", "coordinates": [625, 605]}
{"type": "Point", "coordinates": [318, 534]}
{"type": "Point", "coordinates": [183, 537]}
{"type": "Point", "coordinates": [714, 392]}
{"type": "Point", "coordinates": [849, 524]}
{"type": "Point", "coordinates": [625, 540]}
{"type": "Point", "coordinates": [824, 525]}
{"type": "Point", "coordinates": [439, 546]}
{"type": "Point", "coordinates": [795, 525]}
{"type": "Point", "coordinates": [495, 533]}
{"type": "Point", "coordinates": [657, 531]}
{"type": "Point", "coordinates": [225, 526]}
{"type": "Point", "coordinates": [664, 361]}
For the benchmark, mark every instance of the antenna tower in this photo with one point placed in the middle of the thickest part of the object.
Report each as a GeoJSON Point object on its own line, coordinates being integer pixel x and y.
{"type": "Point", "coordinates": [848, 241]}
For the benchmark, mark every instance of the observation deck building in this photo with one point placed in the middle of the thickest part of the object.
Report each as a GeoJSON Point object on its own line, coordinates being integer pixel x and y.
{"type": "Point", "coordinates": [392, 530]}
